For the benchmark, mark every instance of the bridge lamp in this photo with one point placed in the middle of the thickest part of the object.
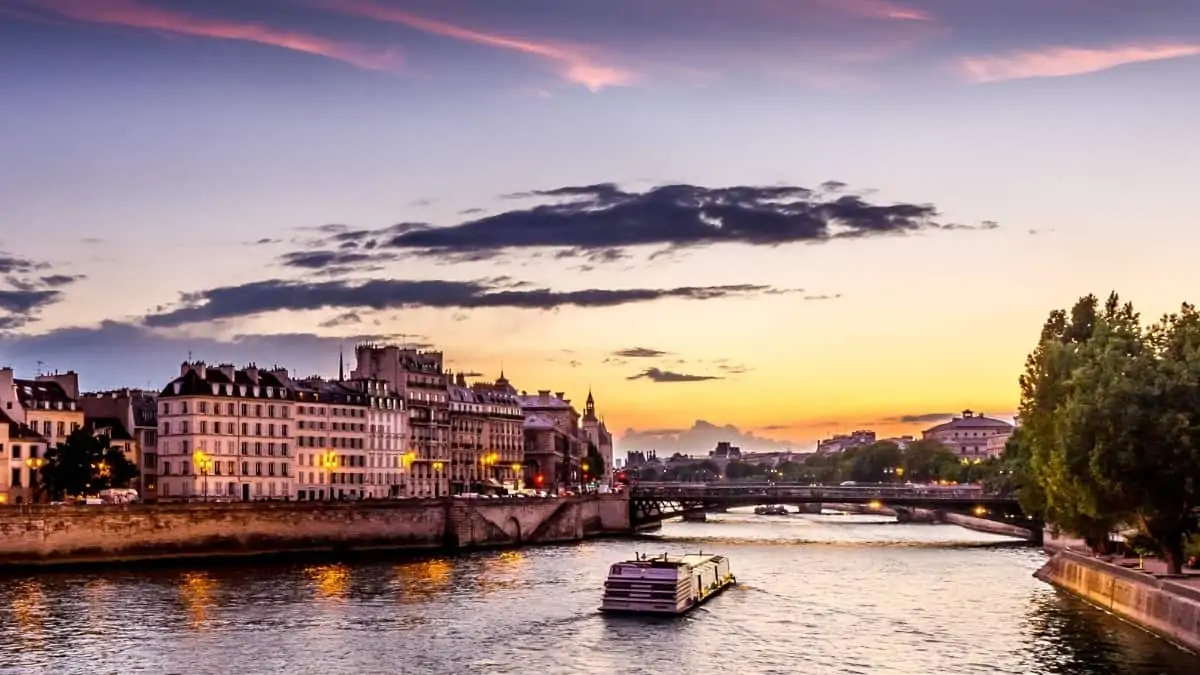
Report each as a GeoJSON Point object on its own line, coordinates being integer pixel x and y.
{"type": "Point", "coordinates": [875, 504]}
{"type": "Point", "coordinates": [980, 512]}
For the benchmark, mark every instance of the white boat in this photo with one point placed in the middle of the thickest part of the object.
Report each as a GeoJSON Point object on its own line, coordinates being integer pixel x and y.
{"type": "Point", "coordinates": [664, 584]}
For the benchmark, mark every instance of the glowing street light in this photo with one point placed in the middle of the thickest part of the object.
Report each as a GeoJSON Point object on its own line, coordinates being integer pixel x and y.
{"type": "Point", "coordinates": [204, 465]}
{"type": "Point", "coordinates": [329, 462]}
{"type": "Point", "coordinates": [35, 465]}
{"type": "Point", "coordinates": [437, 478]}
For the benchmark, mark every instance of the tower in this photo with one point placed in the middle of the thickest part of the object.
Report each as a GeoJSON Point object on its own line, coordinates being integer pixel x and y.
{"type": "Point", "coordinates": [341, 365]}
{"type": "Point", "coordinates": [589, 408]}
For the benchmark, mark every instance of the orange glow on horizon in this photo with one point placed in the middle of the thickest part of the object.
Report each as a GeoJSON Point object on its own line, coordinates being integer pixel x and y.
{"type": "Point", "coordinates": [1067, 61]}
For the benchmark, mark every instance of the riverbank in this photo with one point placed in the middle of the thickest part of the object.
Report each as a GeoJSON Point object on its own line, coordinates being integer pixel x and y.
{"type": "Point", "coordinates": [81, 535]}
{"type": "Point", "coordinates": [1166, 606]}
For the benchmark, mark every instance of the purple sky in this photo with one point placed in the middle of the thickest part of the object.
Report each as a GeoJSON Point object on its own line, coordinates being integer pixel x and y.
{"type": "Point", "coordinates": [176, 169]}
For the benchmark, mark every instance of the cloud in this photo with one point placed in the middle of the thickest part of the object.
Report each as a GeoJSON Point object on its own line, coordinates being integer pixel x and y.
{"type": "Point", "coordinates": [344, 319]}
{"type": "Point", "coordinates": [1068, 61]}
{"type": "Point", "coordinates": [25, 290]}
{"type": "Point", "coordinates": [666, 376]}
{"type": "Point", "coordinates": [700, 439]}
{"type": "Point", "coordinates": [274, 295]}
{"type": "Point", "coordinates": [639, 353]}
{"type": "Point", "coordinates": [877, 9]}
{"type": "Point", "coordinates": [920, 418]}
{"type": "Point", "coordinates": [115, 354]}
{"type": "Point", "coordinates": [600, 221]}
{"type": "Point", "coordinates": [573, 63]}
{"type": "Point", "coordinates": [137, 14]}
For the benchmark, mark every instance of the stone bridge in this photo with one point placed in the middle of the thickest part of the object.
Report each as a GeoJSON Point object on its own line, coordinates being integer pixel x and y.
{"type": "Point", "coordinates": [655, 502]}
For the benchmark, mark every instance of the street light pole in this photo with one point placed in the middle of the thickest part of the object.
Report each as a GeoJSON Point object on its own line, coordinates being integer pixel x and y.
{"type": "Point", "coordinates": [203, 464]}
{"type": "Point", "coordinates": [329, 461]}
{"type": "Point", "coordinates": [437, 479]}
{"type": "Point", "coordinates": [35, 465]}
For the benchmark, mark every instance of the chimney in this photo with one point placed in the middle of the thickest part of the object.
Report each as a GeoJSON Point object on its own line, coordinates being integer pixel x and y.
{"type": "Point", "coordinates": [228, 371]}
{"type": "Point", "coordinates": [560, 394]}
{"type": "Point", "coordinates": [461, 380]}
{"type": "Point", "coordinates": [69, 381]}
{"type": "Point", "coordinates": [252, 373]}
{"type": "Point", "coordinates": [543, 395]}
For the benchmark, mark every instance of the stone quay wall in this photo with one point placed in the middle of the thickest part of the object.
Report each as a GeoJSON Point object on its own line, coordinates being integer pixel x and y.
{"type": "Point", "coordinates": [48, 535]}
{"type": "Point", "coordinates": [1163, 606]}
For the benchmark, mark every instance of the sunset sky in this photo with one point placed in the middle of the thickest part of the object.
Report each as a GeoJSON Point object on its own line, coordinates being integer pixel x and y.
{"type": "Point", "coordinates": [794, 217]}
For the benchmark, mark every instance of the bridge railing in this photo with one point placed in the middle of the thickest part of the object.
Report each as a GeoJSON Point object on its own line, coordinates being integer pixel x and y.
{"type": "Point", "coordinates": [726, 491]}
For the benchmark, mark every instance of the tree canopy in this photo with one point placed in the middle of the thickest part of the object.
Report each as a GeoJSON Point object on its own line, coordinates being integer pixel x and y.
{"type": "Point", "coordinates": [1110, 412]}
{"type": "Point", "coordinates": [84, 465]}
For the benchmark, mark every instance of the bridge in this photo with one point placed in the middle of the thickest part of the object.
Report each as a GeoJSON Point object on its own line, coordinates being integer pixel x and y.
{"type": "Point", "coordinates": [654, 502]}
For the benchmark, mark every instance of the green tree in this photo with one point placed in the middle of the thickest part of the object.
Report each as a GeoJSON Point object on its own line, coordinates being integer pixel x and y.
{"type": "Point", "coordinates": [790, 472]}
{"type": "Point", "coordinates": [1136, 403]}
{"type": "Point", "coordinates": [928, 460]}
{"type": "Point", "coordinates": [743, 470]}
{"type": "Point", "coordinates": [84, 465]}
{"type": "Point", "coordinates": [1067, 495]}
{"type": "Point", "coordinates": [874, 463]}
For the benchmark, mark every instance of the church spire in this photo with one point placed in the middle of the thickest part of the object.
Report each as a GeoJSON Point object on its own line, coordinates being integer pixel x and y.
{"type": "Point", "coordinates": [341, 364]}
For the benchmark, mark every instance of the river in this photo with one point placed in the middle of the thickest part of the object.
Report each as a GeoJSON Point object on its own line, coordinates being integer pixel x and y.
{"type": "Point", "coordinates": [826, 595]}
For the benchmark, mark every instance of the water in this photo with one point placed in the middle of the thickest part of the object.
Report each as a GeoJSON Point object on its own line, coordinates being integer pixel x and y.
{"type": "Point", "coordinates": [817, 594]}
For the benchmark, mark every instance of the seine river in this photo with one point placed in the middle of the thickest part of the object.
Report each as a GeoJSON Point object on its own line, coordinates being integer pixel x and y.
{"type": "Point", "coordinates": [817, 594]}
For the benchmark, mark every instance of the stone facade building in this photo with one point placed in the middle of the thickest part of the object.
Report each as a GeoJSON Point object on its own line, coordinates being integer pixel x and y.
{"type": "Point", "coordinates": [972, 436]}
{"type": "Point", "coordinates": [20, 450]}
{"type": "Point", "coordinates": [421, 382]}
{"type": "Point", "coordinates": [598, 435]}
{"type": "Point", "coordinates": [130, 413]}
{"type": "Point", "coordinates": [226, 433]}
{"type": "Point", "coordinates": [554, 443]}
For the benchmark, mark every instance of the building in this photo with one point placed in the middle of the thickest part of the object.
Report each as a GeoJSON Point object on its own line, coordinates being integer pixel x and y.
{"type": "Point", "coordinates": [21, 455]}
{"type": "Point", "coordinates": [225, 433]}
{"type": "Point", "coordinates": [349, 439]}
{"type": "Point", "coordinates": [419, 380]}
{"type": "Point", "coordinates": [132, 413]}
{"type": "Point", "coordinates": [598, 435]}
{"type": "Point", "coordinates": [554, 442]}
{"type": "Point", "coordinates": [843, 442]}
{"type": "Point", "coordinates": [48, 404]}
{"type": "Point", "coordinates": [502, 451]}
{"type": "Point", "coordinates": [972, 436]}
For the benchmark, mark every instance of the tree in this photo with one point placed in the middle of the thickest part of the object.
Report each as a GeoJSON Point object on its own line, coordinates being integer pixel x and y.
{"type": "Point", "coordinates": [928, 460]}
{"type": "Point", "coordinates": [874, 463]}
{"type": "Point", "coordinates": [84, 465]}
{"type": "Point", "coordinates": [1067, 495]}
{"type": "Point", "coordinates": [742, 470]}
{"type": "Point", "coordinates": [594, 462]}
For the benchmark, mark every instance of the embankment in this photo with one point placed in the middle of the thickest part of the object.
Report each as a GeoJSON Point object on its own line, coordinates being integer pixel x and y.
{"type": "Point", "coordinates": [1163, 606]}
{"type": "Point", "coordinates": [48, 535]}
{"type": "Point", "coordinates": [988, 526]}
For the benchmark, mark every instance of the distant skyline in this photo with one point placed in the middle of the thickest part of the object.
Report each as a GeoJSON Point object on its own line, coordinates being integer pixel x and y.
{"type": "Point", "coordinates": [780, 219]}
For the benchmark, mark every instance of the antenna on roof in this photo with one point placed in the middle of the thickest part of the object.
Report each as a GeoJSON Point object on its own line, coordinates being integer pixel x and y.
{"type": "Point", "coordinates": [40, 366]}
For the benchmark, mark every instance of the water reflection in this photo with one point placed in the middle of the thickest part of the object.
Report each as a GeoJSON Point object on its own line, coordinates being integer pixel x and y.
{"type": "Point", "coordinates": [330, 581]}
{"type": "Point", "coordinates": [29, 612]}
{"type": "Point", "coordinates": [920, 604]}
{"type": "Point", "coordinates": [424, 580]}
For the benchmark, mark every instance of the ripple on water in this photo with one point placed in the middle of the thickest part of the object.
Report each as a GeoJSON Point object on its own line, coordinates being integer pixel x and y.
{"type": "Point", "coordinates": [827, 596]}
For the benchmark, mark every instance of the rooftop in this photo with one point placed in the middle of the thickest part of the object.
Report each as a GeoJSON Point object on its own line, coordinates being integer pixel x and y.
{"type": "Point", "coordinates": [971, 420]}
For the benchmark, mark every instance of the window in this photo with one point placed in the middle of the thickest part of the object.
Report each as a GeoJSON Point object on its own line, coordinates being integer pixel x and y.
{"type": "Point", "coordinates": [203, 426]}
{"type": "Point", "coordinates": [166, 428]}
{"type": "Point", "coordinates": [245, 409]}
{"type": "Point", "coordinates": [166, 468]}
{"type": "Point", "coordinates": [245, 448]}
{"type": "Point", "coordinates": [16, 452]}
{"type": "Point", "coordinates": [230, 465]}
{"type": "Point", "coordinates": [245, 468]}
{"type": "Point", "coordinates": [258, 448]}
{"type": "Point", "coordinates": [270, 411]}
{"type": "Point", "coordinates": [258, 429]}
{"type": "Point", "coordinates": [183, 408]}
{"type": "Point", "coordinates": [203, 407]}
{"type": "Point", "coordinates": [184, 468]}
{"type": "Point", "coordinates": [45, 427]}
{"type": "Point", "coordinates": [284, 430]}
{"type": "Point", "coordinates": [270, 468]}
{"type": "Point", "coordinates": [258, 411]}
{"type": "Point", "coordinates": [183, 427]}
{"type": "Point", "coordinates": [258, 468]}
{"type": "Point", "coordinates": [229, 411]}
{"type": "Point", "coordinates": [245, 429]}
{"type": "Point", "coordinates": [166, 409]}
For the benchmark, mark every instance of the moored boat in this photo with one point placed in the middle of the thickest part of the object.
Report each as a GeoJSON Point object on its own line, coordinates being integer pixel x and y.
{"type": "Point", "coordinates": [776, 510]}
{"type": "Point", "coordinates": [665, 584]}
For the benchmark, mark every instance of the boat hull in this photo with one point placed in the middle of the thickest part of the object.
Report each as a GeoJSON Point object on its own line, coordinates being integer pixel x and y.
{"type": "Point", "coordinates": [665, 586]}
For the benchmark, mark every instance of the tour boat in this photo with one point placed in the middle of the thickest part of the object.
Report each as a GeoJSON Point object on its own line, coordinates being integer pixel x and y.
{"type": "Point", "coordinates": [664, 584]}
{"type": "Point", "coordinates": [776, 510]}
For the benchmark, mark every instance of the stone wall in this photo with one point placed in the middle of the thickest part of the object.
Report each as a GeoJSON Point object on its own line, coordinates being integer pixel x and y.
{"type": "Point", "coordinates": [1162, 606]}
{"type": "Point", "coordinates": [84, 534]}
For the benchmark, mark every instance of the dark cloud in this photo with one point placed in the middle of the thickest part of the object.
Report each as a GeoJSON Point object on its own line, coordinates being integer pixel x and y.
{"type": "Point", "coordinates": [334, 262]}
{"type": "Point", "coordinates": [261, 297]}
{"type": "Point", "coordinates": [343, 319]}
{"type": "Point", "coordinates": [639, 353]}
{"type": "Point", "coordinates": [24, 292]}
{"type": "Point", "coordinates": [698, 440]}
{"type": "Point", "coordinates": [599, 222]}
{"type": "Point", "coordinates": [920, 418]}
{"type": "Point", "coordinates": [666, 376]}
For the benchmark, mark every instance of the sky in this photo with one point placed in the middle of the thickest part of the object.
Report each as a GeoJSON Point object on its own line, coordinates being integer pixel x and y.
{"type": "Point", "coordinates": [763, 221]}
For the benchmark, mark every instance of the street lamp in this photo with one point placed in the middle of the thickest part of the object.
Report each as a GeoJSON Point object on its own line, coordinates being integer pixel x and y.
{"type": "Point", "coordinates": [35, 465]}
{"type": "Point", "coordinates": [204, 465]}
{"type": "Point", "coordinates": [329, 462]}
{"type": "Point", "coordinates": [516, 469]}
{"type": "Point", "coordinates": [437, 478]}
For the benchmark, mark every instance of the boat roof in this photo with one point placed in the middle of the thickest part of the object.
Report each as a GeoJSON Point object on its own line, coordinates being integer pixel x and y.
{"type": "Point", "coordinates": [691, 560]}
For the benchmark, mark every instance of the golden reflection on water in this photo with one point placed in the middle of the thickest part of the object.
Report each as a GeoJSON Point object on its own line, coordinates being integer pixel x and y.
{"type": "Point", "coordinates": [330, 581]}
{"type": "Point", "coordinates": [29, 611]}
{"type": "Point", "coordinates": [423, 580]}
{"type": "Point", "coordinates": [195, 591]}
{"type": "Point", "coordinates": [97, 595]}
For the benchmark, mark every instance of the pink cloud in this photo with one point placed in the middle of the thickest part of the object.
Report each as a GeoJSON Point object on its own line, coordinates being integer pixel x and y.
{"type": "Point", "coordinates": [134, 14]}
{"type": "Point", "coordinates": [1067, 61]}
{"type": "Point", "coordinates": [575, 65]}
{"type": "Point", "coordinates": [878, 9]}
